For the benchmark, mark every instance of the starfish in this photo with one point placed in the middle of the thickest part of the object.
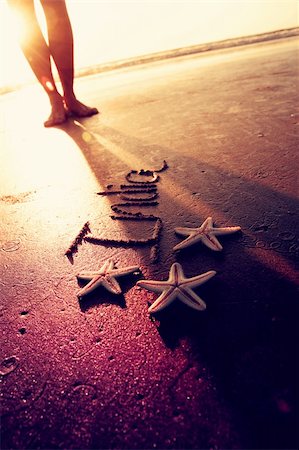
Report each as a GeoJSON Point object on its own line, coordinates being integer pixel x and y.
{"type": "Point", "coordinates": [105, 276]}
{"type": "Point", "coordinates": [205, 233]}
{"type": "Point", "coordinates": [177, 286]}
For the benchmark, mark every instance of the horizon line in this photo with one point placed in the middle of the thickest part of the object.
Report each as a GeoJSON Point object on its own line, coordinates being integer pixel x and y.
{"type": "Point", "coordinates": [170, 54]}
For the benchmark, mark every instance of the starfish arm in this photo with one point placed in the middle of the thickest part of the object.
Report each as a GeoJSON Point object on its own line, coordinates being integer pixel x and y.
{"type": "Point", "coordinates": [183, 231]}
{"type": "Point", "coordinates": [89, 287]}
{"type": "Point", "coordinates": [225, 230]}
{"type": "Point", "coordinates": [212, 242]}
{"type": "Point", "coordinates": [107, 266]}
{"type": "Point", "coordinates": [87, 275]}
{"type": "Point", "coordinates": [193, 239]}
{"type": "Point", "coordinates": [111, 284]}
{"type": "Point", "coordinates": [197, 280]}
{"type": "Point", "coordinates": [176, 273]}
{"type": "Point", "coordinates": [167, 297]}
{"type": "Point", "coordinates": [191, 299]}
{"type": "Point", "coordinates": [124, 271]}
{"type": "Point", "coordinates": [208, 223]}
{"type": "Point", "coordinates": [153, 285]}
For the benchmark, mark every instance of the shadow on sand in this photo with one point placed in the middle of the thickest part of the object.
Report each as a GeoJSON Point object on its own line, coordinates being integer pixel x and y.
{"type": "Point", "coordinates": [247, 334]}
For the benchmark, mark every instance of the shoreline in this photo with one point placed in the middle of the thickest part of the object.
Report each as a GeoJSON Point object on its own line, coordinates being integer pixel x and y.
{"type": "Point", "coordinates": [173, 53]}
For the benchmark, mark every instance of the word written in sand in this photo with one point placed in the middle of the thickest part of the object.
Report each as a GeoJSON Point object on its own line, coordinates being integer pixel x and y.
{"type": "Point", "coordinates": [73, 248]}
{"type": "Point", "coordinates": [140, 190]}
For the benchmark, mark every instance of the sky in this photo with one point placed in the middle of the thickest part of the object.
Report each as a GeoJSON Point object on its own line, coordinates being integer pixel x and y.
{"type": "Point", "coordinates": [109, 30]}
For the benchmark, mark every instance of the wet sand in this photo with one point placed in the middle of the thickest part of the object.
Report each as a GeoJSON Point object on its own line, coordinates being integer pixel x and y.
{"type": "Point", "coordinates": [100, 372]}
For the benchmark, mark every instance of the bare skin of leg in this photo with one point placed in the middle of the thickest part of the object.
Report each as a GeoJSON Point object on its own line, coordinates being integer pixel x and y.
{"type": "Point", "coordinates": [61, 48]}
{"type": "Point", "coordinates": [38, 54]}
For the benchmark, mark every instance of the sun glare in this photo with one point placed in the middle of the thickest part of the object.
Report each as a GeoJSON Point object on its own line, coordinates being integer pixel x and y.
{"type": "Point", "coordinates": [48, 85]}
{"type": "Point", "coordinates": [109, 31]}
{"type": "Point", "coordinates": [14, 69]}
{"type": "Point", "coordinates": [16, 24]}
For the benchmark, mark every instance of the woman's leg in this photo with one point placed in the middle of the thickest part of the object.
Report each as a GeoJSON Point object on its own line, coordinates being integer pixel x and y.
{"type": "Point", "coordinates": [62, 50]}
{"type": "Point", "coordinates": [37, 54]}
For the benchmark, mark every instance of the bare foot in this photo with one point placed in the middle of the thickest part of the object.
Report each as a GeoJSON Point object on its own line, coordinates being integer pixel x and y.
{"type": "Point", "coordinates": [76, 108]}
{"type": "Point", "coordinates": [58, 114]}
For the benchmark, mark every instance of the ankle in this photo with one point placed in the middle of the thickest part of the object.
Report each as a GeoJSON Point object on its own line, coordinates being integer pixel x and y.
{"type": "Point", "coordinates": [69, 96]}
{"type": "Point", "coordinates": [55, 98]}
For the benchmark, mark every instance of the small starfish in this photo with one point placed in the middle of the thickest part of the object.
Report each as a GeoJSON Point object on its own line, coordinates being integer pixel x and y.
{"type": "Point", "coordinates": [177, 286]}
{"type": "Point", "coordinates": [105, 276]}
{"type": "Point", "coordinates": [205, 233]}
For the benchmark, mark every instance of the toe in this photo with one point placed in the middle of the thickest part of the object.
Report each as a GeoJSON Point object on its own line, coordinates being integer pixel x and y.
{"type": "Point", "coordinates": [52, 121]}
{"type": "Point", "coordinates": [93, 111]}
{"type": "Point", "coordinates": [86, 112]}
{"type": "Point", "coordinates": [83, 111]}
